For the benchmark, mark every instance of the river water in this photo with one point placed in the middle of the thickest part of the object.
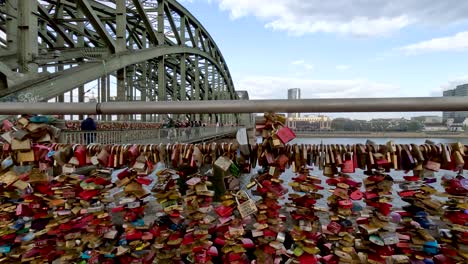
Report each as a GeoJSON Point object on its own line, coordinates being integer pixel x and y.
{"type": "Point", "coordinates": [376, 140]}
{"type": "Point", "coordinates": [359, 175]}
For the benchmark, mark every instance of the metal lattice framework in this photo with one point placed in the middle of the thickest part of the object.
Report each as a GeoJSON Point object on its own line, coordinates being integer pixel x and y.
{"type": "Point", "coordinates": [156, 50]}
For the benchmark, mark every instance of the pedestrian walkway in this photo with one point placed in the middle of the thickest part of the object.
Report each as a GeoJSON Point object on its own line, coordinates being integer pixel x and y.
{"type": "Point", "coordinates": [153, 136]}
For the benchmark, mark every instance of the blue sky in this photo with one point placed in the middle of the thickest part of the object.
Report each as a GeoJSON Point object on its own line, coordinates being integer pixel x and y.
{"type": "Point", "coordinates": [340, 48]}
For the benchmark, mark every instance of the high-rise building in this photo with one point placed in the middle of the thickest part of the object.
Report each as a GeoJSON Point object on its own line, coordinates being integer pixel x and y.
{"type": "Point", "coordinates": [461, 90]}
{"type": "Point", "coordinates": [294, 94]}
{"type": "Point", "coordinates": [245, 119]}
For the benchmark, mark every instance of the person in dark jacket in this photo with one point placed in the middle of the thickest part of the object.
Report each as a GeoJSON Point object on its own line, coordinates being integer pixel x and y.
{"type": "Point", "coordinates": [89, 125]}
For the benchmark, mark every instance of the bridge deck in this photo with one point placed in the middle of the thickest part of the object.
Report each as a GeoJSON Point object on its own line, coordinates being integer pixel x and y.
{"type": "Point", "coordinates": [151, 136]}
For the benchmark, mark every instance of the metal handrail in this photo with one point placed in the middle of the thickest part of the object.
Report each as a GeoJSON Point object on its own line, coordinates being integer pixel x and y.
{"type": "Point", "coordinates": [408, 104]}
{"type": "Point", "coordinates": [145, 136]}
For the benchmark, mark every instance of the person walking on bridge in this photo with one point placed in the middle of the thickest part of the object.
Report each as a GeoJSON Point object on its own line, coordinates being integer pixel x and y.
{"type": "Point", "coordinates": [89, 125]}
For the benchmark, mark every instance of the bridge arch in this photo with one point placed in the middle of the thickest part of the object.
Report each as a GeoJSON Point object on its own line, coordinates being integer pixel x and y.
{"type": "Point", "coordinates": [156, 50]}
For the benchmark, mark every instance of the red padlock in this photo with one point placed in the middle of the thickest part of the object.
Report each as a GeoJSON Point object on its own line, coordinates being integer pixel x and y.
{"type": "Point", "coordinates": [334, 227]}
{"type": "Point", "coordinates": [80, 154]}
{"type": "Point", "coordinates": [285, 134]}
{"type": "Point", "coordinates": [348, 165]}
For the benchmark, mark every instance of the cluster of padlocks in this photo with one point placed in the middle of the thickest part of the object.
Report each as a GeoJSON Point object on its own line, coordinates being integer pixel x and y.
{"type": "Point", "coordinates": [183, 203]}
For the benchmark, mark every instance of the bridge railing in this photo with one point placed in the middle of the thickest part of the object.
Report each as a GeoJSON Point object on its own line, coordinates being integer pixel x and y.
{"type": "Point", "coordinates": [145, 136]}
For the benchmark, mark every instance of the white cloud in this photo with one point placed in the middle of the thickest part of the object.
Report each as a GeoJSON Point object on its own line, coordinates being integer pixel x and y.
{"type": "Point", "coordinates": [359, 18]}
{"type": "Point", "coordinates": [457, 42]}
{"type": "Point", "coordinates": [359, 26]}
{"type": "Point", "coordinates": [343, 67]}
{"type": "Point", "coordinates": [302, 63]}
{"type": "Point", "coordinates": [269, 87]}
{"type": "Point", "coordinates": [297, 62]}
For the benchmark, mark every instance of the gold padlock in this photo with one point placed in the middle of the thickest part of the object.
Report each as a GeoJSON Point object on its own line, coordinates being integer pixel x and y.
{"type": "Point", "coordinates": [276, 142]}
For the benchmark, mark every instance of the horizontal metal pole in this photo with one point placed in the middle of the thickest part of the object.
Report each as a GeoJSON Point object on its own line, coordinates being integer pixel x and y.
{"type": "Point", "coordinates": [415, 104]}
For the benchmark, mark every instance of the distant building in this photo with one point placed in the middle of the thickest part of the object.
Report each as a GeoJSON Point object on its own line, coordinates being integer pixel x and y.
{"type": "Point", "coordinates": [310, 123]}
{"type": "Point", "coordinates": [90, 99]}
{"type": "Point", "coordinates": [387, 122]}
{"type": "Point", "coordinates": [428, 119]}
{"type": "Point", "coordinates": [457, 124]}
{"type": "Point", "coordinates": [434, 128]}
{"type": "Point", "coordinates": [461, 90]}
{"type": "Point", "coordinates": [294, 94]}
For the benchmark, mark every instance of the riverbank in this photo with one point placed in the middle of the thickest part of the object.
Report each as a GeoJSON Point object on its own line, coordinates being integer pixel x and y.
{"type": "Point", "coordinates": [380, 135]}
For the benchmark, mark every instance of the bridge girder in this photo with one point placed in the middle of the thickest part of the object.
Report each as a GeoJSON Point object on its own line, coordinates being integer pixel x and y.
{"type": "Point", "coordinates": [155, 47]}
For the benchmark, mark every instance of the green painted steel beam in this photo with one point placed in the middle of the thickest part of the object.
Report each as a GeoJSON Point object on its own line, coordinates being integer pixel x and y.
{"type": "Point", "coordinates": [97, 24]}
{"type": "Point", "coordinates": [172, 24]}
{"type": "Point", "coordinates": [183, 10]}
{"type": "Point", "coordinates": [59, 83]}
{"type": "Point", "coordinates": [148, 25]}
{"type": "Point", "coordinates": [57, 27]}
{"type": "Point", "coordinates": [103, 37]}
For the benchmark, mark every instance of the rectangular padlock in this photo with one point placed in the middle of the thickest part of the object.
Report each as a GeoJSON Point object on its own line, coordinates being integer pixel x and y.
{"type": "Point", "coordinates": [389, 238]}
{"type": "Point", "coordinates": [285, 134]}
{"type": "Point", "coordinates": [223, 163]}
{"type": "Point", "coordinates": [21, 144]}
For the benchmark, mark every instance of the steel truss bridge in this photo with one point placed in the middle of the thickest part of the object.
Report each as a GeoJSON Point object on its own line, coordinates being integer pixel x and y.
{"type": "Point", "coordinates": [132, 50]}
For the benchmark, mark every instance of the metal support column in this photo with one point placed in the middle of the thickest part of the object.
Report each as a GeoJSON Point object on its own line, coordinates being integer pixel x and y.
{"type": "Point", "coordinates": [80, 43]}
{"type": "Point", "coordinates": [144, 87]}
{"type": "Point", "coordinates": [183, 77]}
{"type": "Point", "coordinates": [12, 25]}
{"type": "Point", "coordinates": [182, 30]}
{"type": "Point", "coordinates": [206, 88]}
{"type": "Point", "coordinates": [27, 36]}
{"type": "Point", "coordinates": [162, 96]}
{"type": "Point", "coordinates": [218, 94]}
{"type": "Point", "coordinates": [60, 42]}
{"type": "Point", "coordinates": [221, 97]}
{"type": "Point", "coordinates": [213, 117]}
{"type": "Point", "coordinates": [226, 97]}
{"type": "Point", "coordinates": [144, 75]}
{"type": "Point", "coordinates": [103, 95]}
{"type": "Point", "coordinates": [120, 47]}
{"type": "Point", "coordinates": [183, 59]}
{"type": "Point", "coordinates": [160, 33]}
{"type": "Point", "coordinates": [192, 96]}
{"type": "Point", "coordinates": [121, 88]}
{"type": "Point", "coordinates": [151, 87]}
{"type": "Point", "coordinates": [175, 87]}
{"type": "Point", "coordinates": [130, 94]}
{"type": "Point", "coordinates": [121, 21]}
{"type": "Point", "coordinates": [197, 83]}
